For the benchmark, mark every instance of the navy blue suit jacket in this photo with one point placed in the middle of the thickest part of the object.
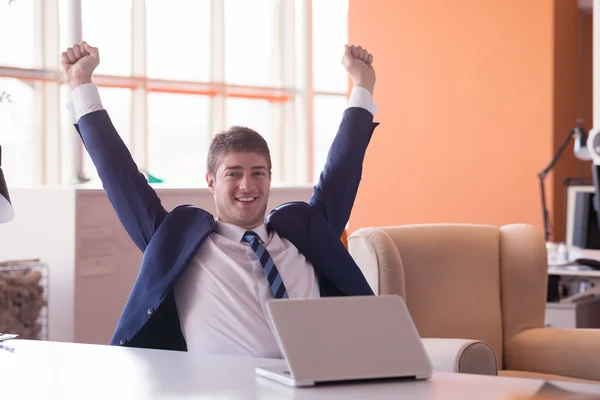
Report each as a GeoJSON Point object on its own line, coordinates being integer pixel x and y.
{"type": "Point", "coordinates": [169, 240]}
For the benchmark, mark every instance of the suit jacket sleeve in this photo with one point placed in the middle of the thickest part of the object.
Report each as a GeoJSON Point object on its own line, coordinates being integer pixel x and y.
{"type": "Point", "coordinates": [335, 192]}
{"type": "Point", "coordinates": [136, 203]}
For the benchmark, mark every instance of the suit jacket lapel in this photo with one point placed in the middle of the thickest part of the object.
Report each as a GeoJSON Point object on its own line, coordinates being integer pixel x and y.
{"type": "Point", "coordinates": [314, 238]}
{"type": "Point", "coordinates": [193, 238]}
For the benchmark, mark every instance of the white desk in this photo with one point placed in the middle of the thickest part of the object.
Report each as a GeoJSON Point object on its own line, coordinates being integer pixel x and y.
{"type": "Point", "coordinates": [49, 370]}
{"type": "Point", "coordinates": [573, 271]}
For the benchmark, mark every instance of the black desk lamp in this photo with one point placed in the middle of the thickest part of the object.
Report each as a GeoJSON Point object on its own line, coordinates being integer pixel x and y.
{"type": "Point", "coordinates": [6, 210]}
{"type": "Point", "coordinates": [581, 152]}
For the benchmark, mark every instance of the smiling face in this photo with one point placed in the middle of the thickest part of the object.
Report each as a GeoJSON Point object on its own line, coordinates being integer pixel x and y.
{"type": "Point", "coordinates": [239, 176]}
{"type": "Point", "coordinates": [241, 188]}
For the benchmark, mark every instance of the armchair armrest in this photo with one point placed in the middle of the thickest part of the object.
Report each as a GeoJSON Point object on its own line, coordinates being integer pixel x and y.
{"type": "Point", "coordinates": [567, 352]}
{"type": "Point", "coordinates": [461, 355]}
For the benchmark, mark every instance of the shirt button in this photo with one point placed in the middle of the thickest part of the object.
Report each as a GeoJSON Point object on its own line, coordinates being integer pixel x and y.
{"type": "Point", "coordinates": [150, 311]}
{"type": "Point", "coordinates": [123, 341]}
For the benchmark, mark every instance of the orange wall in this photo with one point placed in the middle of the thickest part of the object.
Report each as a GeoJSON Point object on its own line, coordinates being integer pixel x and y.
{"type": "Point", "coordinates": [466, 103]}
{"type": "Point", "coordinates": [569, 104]}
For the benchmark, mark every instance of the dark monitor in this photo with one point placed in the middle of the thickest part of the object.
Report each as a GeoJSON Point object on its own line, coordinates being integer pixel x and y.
{"type": "Point", "coordinates": [582, 218]}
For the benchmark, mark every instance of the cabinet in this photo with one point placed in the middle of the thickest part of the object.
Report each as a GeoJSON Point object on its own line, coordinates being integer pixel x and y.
{"type": "Point", "coordinates": [583, 311]}
{"type": "Point", "coordinates": [583, 314]}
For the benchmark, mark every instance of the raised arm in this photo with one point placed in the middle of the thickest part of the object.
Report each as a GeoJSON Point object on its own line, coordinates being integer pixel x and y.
{"type": "Point", "coordinates": [336, 190]}
{"type": "Point", "coordinates": [136, 203]}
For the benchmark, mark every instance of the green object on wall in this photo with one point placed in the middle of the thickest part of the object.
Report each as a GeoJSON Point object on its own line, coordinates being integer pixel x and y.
{"type": "Point", "coordinates": [152, 179]}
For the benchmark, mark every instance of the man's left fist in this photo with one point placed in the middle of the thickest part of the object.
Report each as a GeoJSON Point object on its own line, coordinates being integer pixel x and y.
{"type": "Point", "coordinates": [359, 64]}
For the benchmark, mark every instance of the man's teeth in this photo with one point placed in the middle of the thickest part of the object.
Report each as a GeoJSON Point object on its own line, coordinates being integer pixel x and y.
{"type": "Point", "coordinates": [246, 198]}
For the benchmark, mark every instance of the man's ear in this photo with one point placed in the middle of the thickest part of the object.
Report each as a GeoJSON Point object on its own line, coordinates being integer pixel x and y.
{"type": "Point", "coordinates": [210, 180]}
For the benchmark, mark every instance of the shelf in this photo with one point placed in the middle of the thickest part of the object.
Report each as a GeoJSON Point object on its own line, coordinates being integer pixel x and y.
{"type": "Point", "coordinates": [569, 271]}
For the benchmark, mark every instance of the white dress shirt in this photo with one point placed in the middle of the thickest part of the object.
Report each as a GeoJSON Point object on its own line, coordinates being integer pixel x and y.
{"type": "Point", "coordinates": [221, 296]}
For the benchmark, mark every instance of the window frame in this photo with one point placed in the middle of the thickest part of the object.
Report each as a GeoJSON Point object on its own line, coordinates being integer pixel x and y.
{"type": "Point", "coordinates": [294, 143]}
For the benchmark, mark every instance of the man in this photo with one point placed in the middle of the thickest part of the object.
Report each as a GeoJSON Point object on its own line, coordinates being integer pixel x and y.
{"type": "Point", "coordinates": [204, 282]}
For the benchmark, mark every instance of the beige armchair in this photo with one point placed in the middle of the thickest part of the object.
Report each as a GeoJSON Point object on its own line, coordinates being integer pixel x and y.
{"type": "Point", "coordinates": [478, 282]}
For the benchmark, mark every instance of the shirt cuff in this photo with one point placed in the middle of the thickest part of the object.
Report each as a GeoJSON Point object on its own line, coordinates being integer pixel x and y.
{"type": "Point", "coordinates": [361, 97]}
{"type": "Point", "coordinates": [84, 99]}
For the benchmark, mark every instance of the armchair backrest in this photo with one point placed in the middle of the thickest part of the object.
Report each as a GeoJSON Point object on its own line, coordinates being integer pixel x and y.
{"type": "Point", "coordinates": [459, 280]}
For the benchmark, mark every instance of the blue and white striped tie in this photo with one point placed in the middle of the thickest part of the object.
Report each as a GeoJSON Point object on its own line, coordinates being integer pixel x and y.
{"type": "Point", "coordinates": [277, 287]}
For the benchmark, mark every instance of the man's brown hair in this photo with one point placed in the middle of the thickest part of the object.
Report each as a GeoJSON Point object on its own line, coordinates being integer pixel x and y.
{"type": "Point", "coordinates": [236, 139]}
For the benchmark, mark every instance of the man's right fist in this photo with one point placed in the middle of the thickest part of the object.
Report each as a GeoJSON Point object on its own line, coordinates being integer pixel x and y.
{"type": "Point", "coordinates": [359, 64]}
{"type": "Point", "coordinates": [78, 64]}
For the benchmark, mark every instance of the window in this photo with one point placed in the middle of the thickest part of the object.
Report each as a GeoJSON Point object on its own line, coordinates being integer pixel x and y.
{"type": "Point", "coordinates": [106, 24]}
{"type": "Point", "coordinates": [329, 34]}
{"type": "Point", "coordinates": [118, 102]}
{"type": "Point", "coordinates": [251, 51]}
{"type": "Point", "coordinates": [171, 75]}
{"type": "Point", "coordinates": [255, 114]}
{"type": "Point", "coordinates": [328, 112]}
{"type": "Point", "coordinates": [178, 136]}
{"type": "Point", "coordinates": [178, 39]}
{"type": "Point", "coordinates": [16, 40]}
{"type": "Point", "coordinates": [330, 81]}
{"type": "Point", "coordinates": [70, 142]}
{"type": "Point", "coordinates": [18, 133]}
{"type": "Point", "coordinates": [260, 115]}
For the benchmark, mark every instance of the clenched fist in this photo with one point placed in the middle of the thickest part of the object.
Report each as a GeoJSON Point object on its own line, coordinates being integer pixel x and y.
{"type": "Point", "coordinates": [359, 64]}
{"type": "Point", "coordinates": [78, 64]}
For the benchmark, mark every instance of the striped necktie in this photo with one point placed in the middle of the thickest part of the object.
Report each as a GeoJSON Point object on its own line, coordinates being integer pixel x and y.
{"type": "Point", "coordinates": [277, 287]}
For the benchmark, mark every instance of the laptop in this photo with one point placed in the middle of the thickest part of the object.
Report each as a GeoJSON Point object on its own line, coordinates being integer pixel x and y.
{"type": "Point", "coordinates": [344, 339]}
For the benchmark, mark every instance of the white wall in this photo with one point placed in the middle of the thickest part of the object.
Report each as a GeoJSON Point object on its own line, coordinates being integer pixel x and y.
{"type": "Point", "coordinates": [43, 228]}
